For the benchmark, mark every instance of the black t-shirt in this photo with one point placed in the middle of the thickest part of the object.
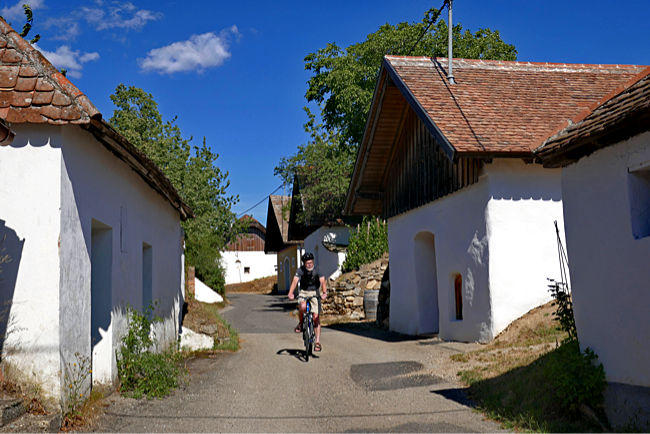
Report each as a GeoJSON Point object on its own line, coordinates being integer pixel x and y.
{"type": "Point", "coordinates": [309, 280]}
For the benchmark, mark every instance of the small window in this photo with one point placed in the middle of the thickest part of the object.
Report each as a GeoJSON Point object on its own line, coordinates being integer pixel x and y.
{"type": "Point", "coordinates": [458, 295]}
{"type": "Point", "coordinates": [639, 193]}
{"type": "Point", "coordinates": [247, 270]}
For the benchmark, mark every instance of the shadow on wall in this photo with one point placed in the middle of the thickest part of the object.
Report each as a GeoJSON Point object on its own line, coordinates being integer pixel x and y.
{"type": "Point", "coordinates": [11, 250]}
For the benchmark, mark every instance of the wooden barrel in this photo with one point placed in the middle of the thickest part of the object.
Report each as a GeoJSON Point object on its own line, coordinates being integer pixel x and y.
{"type": "Point", "coordinates": [370, 297]}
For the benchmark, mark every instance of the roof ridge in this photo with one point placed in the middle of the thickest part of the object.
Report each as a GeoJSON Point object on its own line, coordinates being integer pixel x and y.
{"type": "Point", "coordinates": [540, 66]}
{"type": "Point", "coordinates": [43, 70]}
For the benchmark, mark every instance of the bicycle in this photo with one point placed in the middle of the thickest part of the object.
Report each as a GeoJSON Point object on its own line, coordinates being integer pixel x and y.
{"type": "Point", "coordinates": [308, 334]}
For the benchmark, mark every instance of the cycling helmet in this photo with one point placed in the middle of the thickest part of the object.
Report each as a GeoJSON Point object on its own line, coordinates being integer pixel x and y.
{"type": "Point", "coordinates": [307, 257]}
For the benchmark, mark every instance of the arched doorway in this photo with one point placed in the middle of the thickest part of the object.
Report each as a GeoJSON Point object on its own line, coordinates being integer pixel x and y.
{"type": "Point", "coordinates": [426, 279]}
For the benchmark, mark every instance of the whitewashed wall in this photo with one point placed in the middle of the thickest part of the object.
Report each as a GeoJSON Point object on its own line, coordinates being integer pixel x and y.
{"type": "Point", "coordinates": [66, 169]}
{"type": "Point", "coordinates": [328, 263]}
{"type": "Point", "coordinates": [259, 264]}
{"type": "Point", "coordinates": [610, 268]}
{"type": "Point", "coordinates": [30, 197]}
{"type": "Point", "coordinates": [105, 189]}
{"type": "Point", "coordinates": [525, 200]}
{"type": "Point", "coordinates": [497, 234]}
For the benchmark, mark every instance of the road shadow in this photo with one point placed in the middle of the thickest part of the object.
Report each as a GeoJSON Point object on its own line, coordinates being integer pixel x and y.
{"type": "Point", "coordinates": [456, 394]}
{"type": "Point", "coordinates": [298, 354]}
{"type": "Point", "coordinates": [279, 306]}
{"type": "Point", "coordinates": [371, 330]}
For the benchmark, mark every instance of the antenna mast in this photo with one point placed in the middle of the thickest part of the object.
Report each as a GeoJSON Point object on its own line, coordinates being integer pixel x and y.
{"type": "Point", "coordinates": [450, 51]}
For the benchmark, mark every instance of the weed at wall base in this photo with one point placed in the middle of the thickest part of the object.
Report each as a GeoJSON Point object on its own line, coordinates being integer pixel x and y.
{"type": "Point", "coordinates": [142, 372]}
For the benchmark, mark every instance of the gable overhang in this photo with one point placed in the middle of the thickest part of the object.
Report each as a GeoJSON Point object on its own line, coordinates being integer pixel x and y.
{"type": "Point", "coordinates": [391, 100]}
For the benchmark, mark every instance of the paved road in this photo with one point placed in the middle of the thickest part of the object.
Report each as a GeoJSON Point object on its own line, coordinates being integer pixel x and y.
{"type": "Point", "coordinates": [364, 380]}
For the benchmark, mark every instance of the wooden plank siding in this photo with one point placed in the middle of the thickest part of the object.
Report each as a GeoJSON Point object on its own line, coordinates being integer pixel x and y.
{"type": "Point", "coordinates": [420, 172]}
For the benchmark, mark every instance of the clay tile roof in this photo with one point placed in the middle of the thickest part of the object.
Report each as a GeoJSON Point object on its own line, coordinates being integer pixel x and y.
{"type": "Point", "coordinates": [622, 113]}
{"type": "Point", "coordinates": [503, 107]}
{"type": "Point", "coordinates": [32, 90]}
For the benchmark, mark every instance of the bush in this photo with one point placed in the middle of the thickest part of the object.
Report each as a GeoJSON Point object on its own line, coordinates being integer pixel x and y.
{"type": "Point", "coordinates": [368, 242]}
{"type": "Point", "coordinates": [575, 376]}
{"type": "Point", "coordinates": [142, 372]}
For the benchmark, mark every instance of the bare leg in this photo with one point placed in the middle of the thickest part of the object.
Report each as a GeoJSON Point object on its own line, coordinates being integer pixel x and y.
{"type": "Point", "coordinates": [301, 312]}
{"type": "Point", "coordinates": [317, 327]}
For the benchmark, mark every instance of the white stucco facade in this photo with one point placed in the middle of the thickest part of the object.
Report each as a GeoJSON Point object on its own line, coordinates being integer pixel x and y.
{"type": "Point", "coordinates": [497, 234]}
{"type": "Point", "coordinates": [327, 262]}
{"type": "Point", "coordinates": [606, 206]}
{"type": "Point", "coordinates": [243, 266]}
{"type": "Point", "coordinates": [97, 239]}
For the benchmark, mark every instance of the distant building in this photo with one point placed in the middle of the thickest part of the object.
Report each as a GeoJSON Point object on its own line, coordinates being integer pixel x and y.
{"type": "Point", "coordinates": [277, 241]}
{"type": "Point", "coordinates": [244, 259]}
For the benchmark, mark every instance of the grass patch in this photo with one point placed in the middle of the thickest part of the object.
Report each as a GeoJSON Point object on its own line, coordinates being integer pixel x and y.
{"type": "Point", "coordinates": [514, 379]}
{"type": "Point", "coordinates": [231, 341]}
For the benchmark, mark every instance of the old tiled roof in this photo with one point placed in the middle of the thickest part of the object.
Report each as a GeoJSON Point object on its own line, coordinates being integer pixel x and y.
{"type": "Point", "coordinates": [33, 91]}
{"type": "Point", "coordinates": [279, 202]}
{"type": "Point", "coordinates": [621, 114]}
{"type": "Point", "coordinates": [502, 107]}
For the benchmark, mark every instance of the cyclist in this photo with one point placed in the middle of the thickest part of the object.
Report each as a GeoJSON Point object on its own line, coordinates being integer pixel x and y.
{"type": "Point", "coordinates": [310, 282]}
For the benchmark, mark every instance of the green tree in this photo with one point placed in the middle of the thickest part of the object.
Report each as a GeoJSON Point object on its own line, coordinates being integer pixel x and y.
{"type": "Point", "coordinates": [192, 170]}
{"type": "Point", "coordinates": [324, 167]}
{"type": "Point", "coordinates": [343, 80]}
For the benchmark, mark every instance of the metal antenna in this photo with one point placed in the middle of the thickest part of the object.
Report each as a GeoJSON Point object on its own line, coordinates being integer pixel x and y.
{"type": "Point", "coordinates": [450, 53]}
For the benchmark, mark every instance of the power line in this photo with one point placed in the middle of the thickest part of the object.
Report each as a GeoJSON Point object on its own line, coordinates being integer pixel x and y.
{"type": "Point", "coordinates": [431, 21]}
{"type": "Point", "coordinates": [260, 202]}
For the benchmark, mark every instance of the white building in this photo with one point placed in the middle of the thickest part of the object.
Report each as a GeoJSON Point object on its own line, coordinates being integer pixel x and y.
{"type": "Point", "coordinates": [244, 259]}
{"type": "Point", "coordinates": [451, 166]}
{"type": "Point", "coordinates": [328, 244]}
{"type": "Point", "coordinates": [90, 226]}
{"type": "Point", "coordinates": [605, 155]}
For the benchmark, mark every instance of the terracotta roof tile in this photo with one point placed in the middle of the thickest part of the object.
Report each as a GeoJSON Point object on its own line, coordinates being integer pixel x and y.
{"type": "Point", "coordinates": [24, 70]}
{"type": "Point", "coordinates": [502, 106]}
{"type": "Point", "coordinates": [614, 113]}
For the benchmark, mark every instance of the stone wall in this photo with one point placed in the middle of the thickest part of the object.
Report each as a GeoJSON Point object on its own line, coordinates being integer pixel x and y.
{"type": "Point", "coordinates": [345, 294]}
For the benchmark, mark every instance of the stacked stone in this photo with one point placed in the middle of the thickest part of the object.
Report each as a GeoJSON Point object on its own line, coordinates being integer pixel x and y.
{"type": "Point", "coordinates": [345, 294]}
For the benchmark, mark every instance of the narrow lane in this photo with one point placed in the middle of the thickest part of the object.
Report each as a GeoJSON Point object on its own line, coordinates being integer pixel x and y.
{"type": "Point", "coordinates": [363, 380]}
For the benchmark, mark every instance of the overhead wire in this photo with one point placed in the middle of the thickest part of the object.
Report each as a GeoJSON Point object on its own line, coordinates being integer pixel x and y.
{"type": "Point", "coordinates": [260, 202]}
{"type": "Point", "coordinates": [431, 22]}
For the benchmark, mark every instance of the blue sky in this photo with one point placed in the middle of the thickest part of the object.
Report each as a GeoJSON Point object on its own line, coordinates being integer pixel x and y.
{"type": "Point", "coordinates": [234, 71]}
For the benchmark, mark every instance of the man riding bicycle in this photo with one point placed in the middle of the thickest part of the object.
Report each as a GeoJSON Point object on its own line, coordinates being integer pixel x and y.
{"type": "Point", "coordinates": [310, 282]}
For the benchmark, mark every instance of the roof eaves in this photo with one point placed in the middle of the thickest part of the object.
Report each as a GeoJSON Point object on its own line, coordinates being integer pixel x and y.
{"type": "Point", "coordinates": [447, 147]}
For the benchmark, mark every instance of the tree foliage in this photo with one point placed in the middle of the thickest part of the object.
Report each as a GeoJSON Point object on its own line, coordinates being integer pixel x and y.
{"type": "Point", "coordinates": [323, 166]}
{"type": "Point", "coordinates": [192, 170]}
{"type": "Point", "coordinates": [342, 83]}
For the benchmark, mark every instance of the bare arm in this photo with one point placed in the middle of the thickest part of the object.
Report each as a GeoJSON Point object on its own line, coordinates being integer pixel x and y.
{"type": "Point", "coordinates": [294, 283]}
{"type": "Point", "coordinates": [323, 284]}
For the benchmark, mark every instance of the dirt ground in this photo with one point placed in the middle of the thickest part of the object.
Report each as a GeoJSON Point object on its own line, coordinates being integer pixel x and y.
{"type": "Point", "coordinates": [265, 285]}
{"type": "Point", "coordinates": [201, 318]}
{"type": "Point", "coordinates": [522, 342]}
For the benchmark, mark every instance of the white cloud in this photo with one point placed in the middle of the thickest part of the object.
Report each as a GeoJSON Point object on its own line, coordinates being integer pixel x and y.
{"type": "Point", "coordinates": [72, 60]}
{"type": "Point", "coordinates": [118, 15]}
{"type": "Point", "coordinates": [16, 11]}
{"type": "Point", "coordinates": [197, 53]}
{"type": "Point", "coordinates": [66, 28]}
